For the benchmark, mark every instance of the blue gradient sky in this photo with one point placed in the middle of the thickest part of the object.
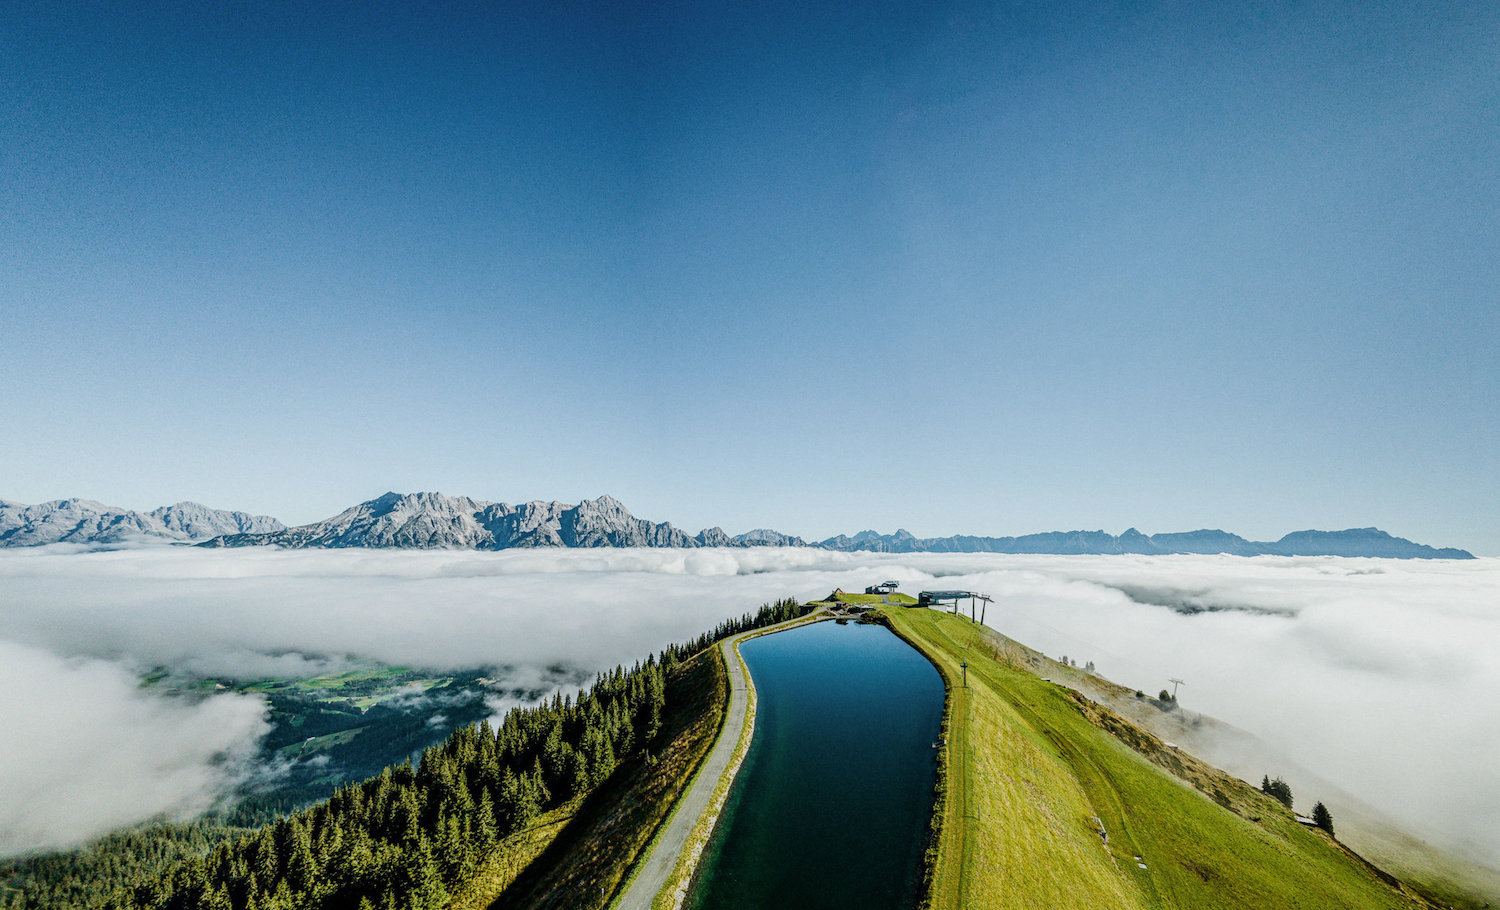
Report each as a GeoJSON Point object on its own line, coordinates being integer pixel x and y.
{"type": "Point", "coordinates": [984, 268]}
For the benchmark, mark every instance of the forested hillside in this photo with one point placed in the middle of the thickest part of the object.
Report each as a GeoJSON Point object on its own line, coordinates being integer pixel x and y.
{"type": "Point", "coordinates": [413, 837]}
{"type": "Point", "coordinates": [326, 731]}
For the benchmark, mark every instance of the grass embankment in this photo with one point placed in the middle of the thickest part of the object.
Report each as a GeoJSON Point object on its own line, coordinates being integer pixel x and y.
{"type": "Point", "coordinates": [578, 855]}
{"type": "Point", "coordinates": [874, 599]}
{"type": "Point", "coordinates": [1035, 771]}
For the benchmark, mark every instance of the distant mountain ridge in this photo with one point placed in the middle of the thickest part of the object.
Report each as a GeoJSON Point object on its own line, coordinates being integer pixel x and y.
{"type": "Point", "coordinates": [1352, 542]}
{"type": "Point", "coordinates": [436, 521]}
{"type": "Point", "coordinates": [84, 521]}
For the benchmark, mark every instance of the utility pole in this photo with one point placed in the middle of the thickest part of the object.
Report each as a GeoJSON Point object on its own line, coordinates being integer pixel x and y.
{"type": "Point", "coordinates": [1175, 683]}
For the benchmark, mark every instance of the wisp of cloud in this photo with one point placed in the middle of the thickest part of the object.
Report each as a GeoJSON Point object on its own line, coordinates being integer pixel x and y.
{"type": "Point", "coordinates": [86, 750]}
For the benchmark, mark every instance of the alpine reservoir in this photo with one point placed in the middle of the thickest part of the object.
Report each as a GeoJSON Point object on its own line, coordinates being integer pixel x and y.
{"type": "Point", "coordinates": [832, 804]}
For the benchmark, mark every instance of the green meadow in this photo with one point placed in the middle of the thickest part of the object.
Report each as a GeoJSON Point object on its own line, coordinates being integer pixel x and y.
{"type": "Point", "coordinates": [1050, 800]}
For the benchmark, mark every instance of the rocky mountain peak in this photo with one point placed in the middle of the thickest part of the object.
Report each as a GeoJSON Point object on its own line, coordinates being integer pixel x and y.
{"type": "Point", "coordinates": [765, 537]}
{"type": "Point", "coordinates": [84, 521]}
{"type": "Point", "coordinates": [194, 521]}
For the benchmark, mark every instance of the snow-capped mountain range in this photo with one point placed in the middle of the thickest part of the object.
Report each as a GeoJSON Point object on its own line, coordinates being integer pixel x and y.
{"type": "Point", "coordinates": [435, 521]}
{"type": "Point", "coordinates": [84, 521]}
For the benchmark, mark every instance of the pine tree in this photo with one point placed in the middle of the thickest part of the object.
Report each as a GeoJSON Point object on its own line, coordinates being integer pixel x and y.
{"type": "Point", "coordinates": [1322, 817]}
{"type": "Point", "coordinates": [527, 806]}
{"type": "Point", "coordinates": [405, 818]}
{"type": "Point", "coordinates": [281, 898]}
{"type": "Point", "coordinates": [484, 830]}
{"type": "Point", "coordinates": [538, 785]}
{"type": "Point", "coordinates": [216, 899]}
{"type": "Point", "coordinates": [509, 812]}
{"type": "Point", "coordinates": [301, 869]}
{"type": "Point", "coordinates": [578, 775]}
{"type": "Point", "coordinates": [1276, 789]}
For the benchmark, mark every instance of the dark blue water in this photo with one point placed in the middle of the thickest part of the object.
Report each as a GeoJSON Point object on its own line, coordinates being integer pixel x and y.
{"type": "Point", "coordinates": [832, 804]}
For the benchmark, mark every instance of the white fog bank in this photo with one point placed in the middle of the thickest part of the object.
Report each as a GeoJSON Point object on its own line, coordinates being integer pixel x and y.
{"type": "Point", "coordinates": [1377, 674]}
{"type": "Point", "coordinates": [85, 750]}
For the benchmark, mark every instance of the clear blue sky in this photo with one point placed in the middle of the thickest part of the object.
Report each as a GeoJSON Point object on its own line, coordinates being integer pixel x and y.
{"type": "Point", "coordinates": [961, 267]}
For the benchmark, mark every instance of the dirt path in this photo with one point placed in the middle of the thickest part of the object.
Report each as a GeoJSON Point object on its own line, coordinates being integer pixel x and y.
{"type": "Point", "coordinates": [658, 867]}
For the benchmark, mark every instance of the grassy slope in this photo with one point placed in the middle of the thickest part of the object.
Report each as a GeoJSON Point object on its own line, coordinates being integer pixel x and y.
{"type": "Point", "coordinates": [876, 599]}
{"type": "Point", "coordinates": [578, 855]}
{"type": "Point", "coordinates": [1447, 878]}
{"type": "Point", "coordinates": [1033, 764]}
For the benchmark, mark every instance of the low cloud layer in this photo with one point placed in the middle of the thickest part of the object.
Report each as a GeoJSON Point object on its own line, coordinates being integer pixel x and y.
{"type": "Point", "coordinates": [86, 750]}
{"type": "Point", "coordinates": [1373, 673]}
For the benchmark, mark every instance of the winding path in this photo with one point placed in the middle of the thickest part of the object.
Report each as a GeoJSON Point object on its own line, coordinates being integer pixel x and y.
{"type": "Point", "coordinates": [669, 846]}
{"type": "Point", "coordinates": [665, 852]}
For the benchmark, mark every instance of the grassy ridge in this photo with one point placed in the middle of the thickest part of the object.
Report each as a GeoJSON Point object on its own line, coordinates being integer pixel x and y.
{"type": "Point", "coordinates": [874, 599]}
{"type": "Point", "coordinates": [1037, 770]}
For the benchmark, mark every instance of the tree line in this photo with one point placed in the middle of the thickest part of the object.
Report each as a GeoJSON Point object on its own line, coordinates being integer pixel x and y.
{"type": "Point", "coordinates": [77, 879]}
{"type": "Point", "coordinates": [768, 615]}
{"type": "Point", "coordinates": [409, 837]}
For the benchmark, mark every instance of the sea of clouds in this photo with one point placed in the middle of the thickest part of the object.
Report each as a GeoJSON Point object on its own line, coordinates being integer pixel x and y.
{"type": "Point", "coordinates": [1379, 675]}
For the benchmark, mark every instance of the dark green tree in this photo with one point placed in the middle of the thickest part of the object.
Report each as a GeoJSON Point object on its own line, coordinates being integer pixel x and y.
{"type": "Point", "coordinates": [1323, 818]}
{"type": "Point", "coordinates": [1277, 789]}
